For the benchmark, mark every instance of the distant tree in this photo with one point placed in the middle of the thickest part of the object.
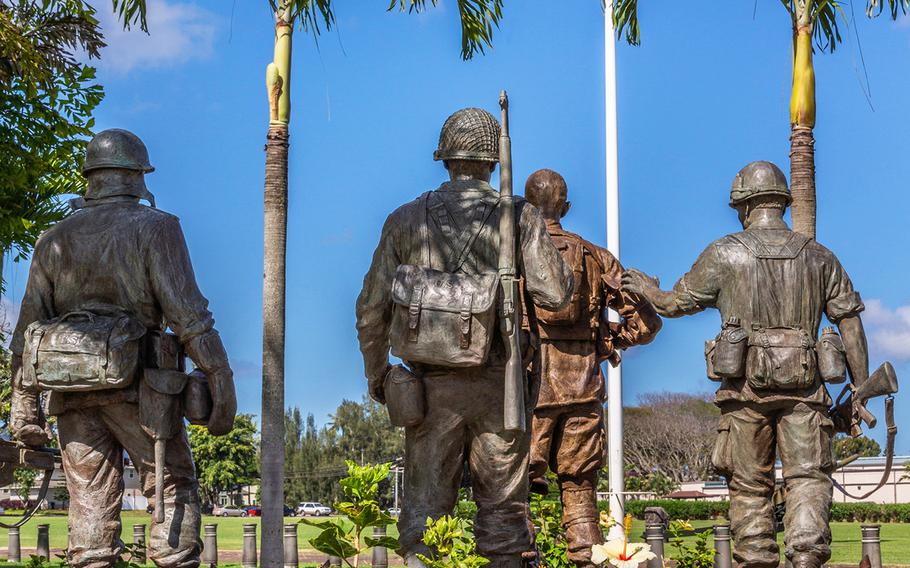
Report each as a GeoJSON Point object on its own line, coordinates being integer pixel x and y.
{"type": "Point", "coordinates": [25, 480]}
{"type": "Point", "coordinates": [845, 446]}
{"type": "Point", "coordinates": [6, 390]}
{"type": "Point", "coordinates": [671, 435]}
{"type": "Point", "coordinates": [225, 463]}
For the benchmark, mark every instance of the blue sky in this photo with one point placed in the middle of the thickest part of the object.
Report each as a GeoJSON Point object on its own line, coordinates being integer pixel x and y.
{"type": "Point", "coordinates": [699, 99]}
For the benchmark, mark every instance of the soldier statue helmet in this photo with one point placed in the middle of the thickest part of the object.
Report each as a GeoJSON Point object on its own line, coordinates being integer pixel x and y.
{"type": "Point", "coordinates": [121, 150]}
{"type": "Point", "coordinates": [757, 179]}
{"type": "Point", "coordinates": [470, 134]}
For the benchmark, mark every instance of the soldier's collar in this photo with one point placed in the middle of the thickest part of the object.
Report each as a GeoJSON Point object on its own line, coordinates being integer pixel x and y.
{"type": "Point", "coordinates": [466, 185]}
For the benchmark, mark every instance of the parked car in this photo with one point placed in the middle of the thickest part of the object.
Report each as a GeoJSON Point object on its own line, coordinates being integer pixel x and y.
{"type": "Point", "coordinates": [220, 511]}
{"type": "Point", "coordinates": [313, 509]}
{"type": "Point", "coordinates": [288, 512]}
{"type": "Point", "coordinates": [253, 511]}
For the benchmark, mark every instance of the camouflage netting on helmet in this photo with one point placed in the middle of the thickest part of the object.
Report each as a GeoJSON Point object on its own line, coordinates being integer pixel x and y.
{"type": "Point", "coordinates": [469, 134]}
{"type": "Point", "coordinates": [758, 178]}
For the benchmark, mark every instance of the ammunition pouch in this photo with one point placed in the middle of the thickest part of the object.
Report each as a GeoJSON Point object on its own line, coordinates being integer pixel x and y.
{"type": "Point", "coordinates": [441, 318]}
{"type": "Point", "coordinates": [405, 397]}
{"type": "Point", "coordinates": [197, 399]}
{"type": "Point", "coordinates": [86, 350]}
{"type": "Point", "coordinates": [781, 358]}
{"type": "Point", "coordinates": [160, 409]}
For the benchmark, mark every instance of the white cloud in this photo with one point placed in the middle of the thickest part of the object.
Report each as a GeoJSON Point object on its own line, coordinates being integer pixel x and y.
{"type": "Point", "coordinates": [888, 330]}
{"type": "Point", "coordinates": [178, 33]}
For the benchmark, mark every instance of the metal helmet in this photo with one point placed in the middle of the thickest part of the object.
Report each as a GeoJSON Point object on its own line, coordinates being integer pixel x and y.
{"type": "Point", "coordinates": [117, 148]}
{"type": "Point", "coordinates": [469, 134]}
{"type": "Point", "coordinates": [758, 178]}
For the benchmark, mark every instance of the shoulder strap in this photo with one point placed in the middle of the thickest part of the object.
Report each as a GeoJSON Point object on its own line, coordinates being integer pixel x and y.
{"type": "Point", "coordinates": [424, 229]}
{"type": "Point", "coordinates": [790, 249]}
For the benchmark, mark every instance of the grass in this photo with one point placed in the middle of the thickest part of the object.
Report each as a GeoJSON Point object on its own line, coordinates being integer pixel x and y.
{"type": "Point", "coordinates": [846, 547]}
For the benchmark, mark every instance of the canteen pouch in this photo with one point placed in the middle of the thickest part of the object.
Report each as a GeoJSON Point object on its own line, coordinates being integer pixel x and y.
{"type": "Point", "coordinates": [442, 319]}
{"type": "Point", "coordinates": [82, 351]}
{"type": "Point", "coordinates": [780, 358]}
{"type": "Point", "coordinates": [405, 398]}
{"type": "Point", "coordinates": [832, 357]}
{"type": "Point", "coordinates": [728, 360]}
{"type": "Point", "coordinates": [160, 408]}
{"type": "Point", "coordinates": [197, 399]}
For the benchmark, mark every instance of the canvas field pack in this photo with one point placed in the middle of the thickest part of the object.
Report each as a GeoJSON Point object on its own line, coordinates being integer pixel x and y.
{"type": "Point", "coordinates": [445, 317]}
{"type": "Point", "coordinates": [82, 351]}
{"type": "Point", "coordinates": [781, 358]}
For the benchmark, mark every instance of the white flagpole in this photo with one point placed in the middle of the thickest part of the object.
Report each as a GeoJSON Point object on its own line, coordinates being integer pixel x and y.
{"type": "Point", "coordinates": [614, 374]}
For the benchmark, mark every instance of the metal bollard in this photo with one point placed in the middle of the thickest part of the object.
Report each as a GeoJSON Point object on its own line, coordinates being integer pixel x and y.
{"type": "Point", "coordinates": [44, 541]}
{"type": "Point", "coordinates": [654, 536]}
{"type": "Point", "coordinates": [334, 561]}
{"type": "Point", "coordinates": [291, 559]}
{"type": "Point", "coordinates": [250, 559]}
{"type": "Point", "coordinates": [14, 552]}
{"type": "Point", "coordinates": [210, 545]}
{"type": "Point", "coordinates": [139, 544]}
{"type": "Point", "coordinates": [872, 544]}
{"type": "Point", "coordinates": [380, 554]}
{"type": "Point", "coordinates": [723, 553]}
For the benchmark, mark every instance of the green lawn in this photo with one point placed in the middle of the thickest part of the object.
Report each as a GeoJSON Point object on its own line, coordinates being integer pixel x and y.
{"type": "Point", "coordinates": [845, 548]}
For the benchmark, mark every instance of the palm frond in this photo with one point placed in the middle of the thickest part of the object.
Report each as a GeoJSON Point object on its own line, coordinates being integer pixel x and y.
{"type": "Point", "coordinates": [826, 29]}
{"type": "Point", "coordinates": [896, 8]}
{"type": "Point", "coordinates": [131, 12]}
{"type": "Point", "coordinates": [625, 18]}
{"type": "Point", "coordinates": [312, 15]}
{"type": "Point", "coordinates": [478, 20]}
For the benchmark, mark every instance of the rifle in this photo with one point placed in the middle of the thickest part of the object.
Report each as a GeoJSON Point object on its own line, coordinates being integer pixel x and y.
{"type": "Point", "coordinates": [14, 455]}
{"type": "Point", "coordinates": [510, 316]}
{"type": "Point", "coordinates": [849, 413]}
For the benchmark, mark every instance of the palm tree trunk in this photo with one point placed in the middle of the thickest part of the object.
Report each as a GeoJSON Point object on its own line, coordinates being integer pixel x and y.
{"type": "Point", "coordinates": [273, 298]}
{"type": "Point", "coordinates": [802, 121]}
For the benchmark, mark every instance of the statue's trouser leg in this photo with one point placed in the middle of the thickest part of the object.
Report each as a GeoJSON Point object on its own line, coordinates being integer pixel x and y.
{"type": "Point", "coordinates": [804, 440]}
{"type": "Point", "coordinates": [93, 462]}
{"type": "Point", "coordinates": [174, 543]}
{"type": "Point", "coordinates": [543, 427]}
{"type": "Point", "coordinates": [744, 453]}
{"type": "Point", "coordinates": [434, 453]}
{"type": "Point", "coordinates": [578, 457]}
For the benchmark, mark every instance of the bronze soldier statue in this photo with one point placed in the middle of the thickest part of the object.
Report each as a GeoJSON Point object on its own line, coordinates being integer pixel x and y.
{"type": "Point", "coordinates": [771, 286]}
{"type": "Point", "coordinates": [430, 296]}
{"type": "Point", "coordinates": [568, 429]}
{"type": "Point", "coordinates": [104, 285]}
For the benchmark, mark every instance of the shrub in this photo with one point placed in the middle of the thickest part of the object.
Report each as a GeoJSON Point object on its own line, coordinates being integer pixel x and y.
{"type": "Point", "coordinates": [676, 509]}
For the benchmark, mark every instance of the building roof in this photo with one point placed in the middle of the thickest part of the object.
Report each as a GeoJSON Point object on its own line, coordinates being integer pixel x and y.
{"type": "Point", "coordinates": [688, 495]}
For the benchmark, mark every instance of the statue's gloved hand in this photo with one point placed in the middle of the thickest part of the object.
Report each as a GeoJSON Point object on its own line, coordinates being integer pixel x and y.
{"type": "Point", "coordinates": [377, 386]}
{"type": "Point", "coordinates": [27, 422]}
{"type": "Point", "coordinates": [32, 435]}
{"type": "Point", "coordinates": [224, 402]}
{"type": "Point", "coordinates": [637, 282]}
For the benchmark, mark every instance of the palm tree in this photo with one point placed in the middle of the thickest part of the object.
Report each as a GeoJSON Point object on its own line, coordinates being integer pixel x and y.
{"type": "Point", "coordinates": [811, 19]}
{"type": "Point", "coordinates": [478, 18]}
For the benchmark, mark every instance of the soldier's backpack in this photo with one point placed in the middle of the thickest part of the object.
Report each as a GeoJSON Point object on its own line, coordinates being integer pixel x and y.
{"type": "Point", "coordinates": [84, 350]}
{"type": "Point", "coordinates": [445, 317]}
{"type": "Point", "coordinates": [779, 357]}
{"type": "Point", "coordinates": [580, 318]}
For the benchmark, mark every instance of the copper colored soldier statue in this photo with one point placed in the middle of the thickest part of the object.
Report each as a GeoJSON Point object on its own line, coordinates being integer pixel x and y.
{"type": "Point", "coordinates": [105, 285]}
{"type": "Point", "coordinates": [772, 286]}
{"type": "Point", "coordinates": [431, 297]}
{"type": "Point", "coordinates": [568, 430]}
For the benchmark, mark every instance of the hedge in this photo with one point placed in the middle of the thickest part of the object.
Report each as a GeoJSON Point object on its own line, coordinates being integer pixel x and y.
{"type": "Point", "coordinates": [704, 510]}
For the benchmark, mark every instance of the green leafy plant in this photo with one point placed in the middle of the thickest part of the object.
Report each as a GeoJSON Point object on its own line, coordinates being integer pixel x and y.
{"type": "Point", "coordinates": [35, 561]}
{"type": "Point", "coordinates": [344, 537]}
{"type": "Point", "coordinates": [451, 546]}
{"type": "Point", "coordinates": [552, 546]}
{"type": "Point", "coordinates": [698, 555]}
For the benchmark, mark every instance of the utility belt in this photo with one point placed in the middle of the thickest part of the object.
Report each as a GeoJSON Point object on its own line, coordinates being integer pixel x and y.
{"type": "Point", "coordinates": [102, 348]}
{"type": "Point", "coordinates": [775, 358]}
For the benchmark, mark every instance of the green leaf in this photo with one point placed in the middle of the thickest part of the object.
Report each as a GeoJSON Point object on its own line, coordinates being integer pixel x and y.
{"type": "Point", "coordinates": [383, 542]}
{"type": "Point", "coordinates": [333, 541]}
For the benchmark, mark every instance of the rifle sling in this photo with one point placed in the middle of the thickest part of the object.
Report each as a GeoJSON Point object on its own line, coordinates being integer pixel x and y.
{"type": "Point", "coordinates": [30, 512]}
{"type": "Point", "coordinates": [889, 454]}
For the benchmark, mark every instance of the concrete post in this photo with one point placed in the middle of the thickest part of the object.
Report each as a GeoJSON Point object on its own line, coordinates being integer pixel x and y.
{"type": "Point", "coordinates": [872, 546]}
{"type": "Point", "coordinates": [249, 546]}
{"type": "Point", "coordinates": [44, 541]}
{"type": "Point", "coordinates": [291, 559]}
{"type": "Point", "coordinates": [654, 536]}
{"type": "Point", "coordinates": [210, 545]}
{"type": "Point", "coordinates": [380, 554]}
{"type": "Point", "coordinates": [139, 543]}
{"type": "Point", "coordinates": [14, 552]}
{"type": "Point", "coordinates": [723, 553]}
